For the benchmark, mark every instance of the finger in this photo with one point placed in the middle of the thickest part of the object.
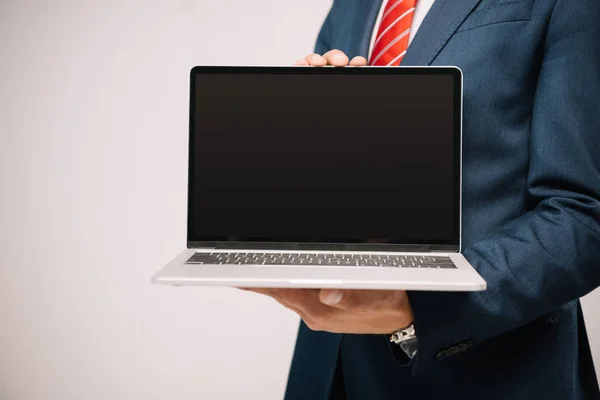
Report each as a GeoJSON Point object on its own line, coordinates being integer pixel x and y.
{"type": "Point", "coordinates": [280, 297]}
{"type": "Point", "coordinates": [263, 291]}
{"type": "Point", "coordinates": [336, 58]}
{"type": "Point", "coordinates": [302, 63]}
{"type": "Point", "coordinates": [294, 297]}
{"type": "Point", "coordinates": [286, 297]}
{"type": "Point", "coordinates": [306, 303]}
{"type": "Point", "coordinates": [316, 60]}
{"type": "Point", "coordinates": [363, 300]}
{"type": "Point", "coordinates": [358, 61]}
{"type": "Point", "coordinates": [301, 299]}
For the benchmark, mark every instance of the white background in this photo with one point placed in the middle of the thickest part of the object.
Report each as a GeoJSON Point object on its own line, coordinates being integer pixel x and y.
{"type": "Point", "coordinates": [93, 147]}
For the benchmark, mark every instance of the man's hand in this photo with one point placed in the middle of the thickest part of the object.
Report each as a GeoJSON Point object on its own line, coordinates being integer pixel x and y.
{"type": "Point", "coordinates": [335, 58]}
{"type": "Point", "coordinates": [347, 311]}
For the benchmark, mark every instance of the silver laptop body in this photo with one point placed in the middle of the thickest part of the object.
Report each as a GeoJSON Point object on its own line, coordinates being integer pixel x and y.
{"type": "Point", "coordinates": [304, 177]}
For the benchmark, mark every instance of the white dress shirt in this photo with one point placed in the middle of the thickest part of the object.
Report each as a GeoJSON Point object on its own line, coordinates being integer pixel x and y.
{"type": "Point", "coordinates": [421, 10]}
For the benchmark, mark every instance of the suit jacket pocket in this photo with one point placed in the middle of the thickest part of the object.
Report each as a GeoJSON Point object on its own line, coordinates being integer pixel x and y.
{"type": "Point", "coordinates": [496, 12]}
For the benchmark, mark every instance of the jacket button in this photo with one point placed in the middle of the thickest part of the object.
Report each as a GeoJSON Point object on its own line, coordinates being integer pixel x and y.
{"type": "Point", "coordinates": [463, 347]}
{"type": "Point", "coordinates": [442, 354]}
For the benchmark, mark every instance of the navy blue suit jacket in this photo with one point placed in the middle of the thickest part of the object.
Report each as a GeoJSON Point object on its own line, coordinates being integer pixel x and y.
{"type": "Point", "coordinates": [531, 211]}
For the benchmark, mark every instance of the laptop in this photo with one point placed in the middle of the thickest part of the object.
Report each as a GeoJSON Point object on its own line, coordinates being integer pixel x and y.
{"type": "Point", "coordinates": [303, 177]}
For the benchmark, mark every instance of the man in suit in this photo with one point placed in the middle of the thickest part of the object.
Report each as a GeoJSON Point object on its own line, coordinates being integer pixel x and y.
{"type": "Point", "coordinates": [531, 210]}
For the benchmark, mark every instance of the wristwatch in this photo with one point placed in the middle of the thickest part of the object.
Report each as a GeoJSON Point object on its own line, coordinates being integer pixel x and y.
{"type": "Point", "coordinates": [404, 335]}
{"type": "Point", "coordinates": [406, 339]}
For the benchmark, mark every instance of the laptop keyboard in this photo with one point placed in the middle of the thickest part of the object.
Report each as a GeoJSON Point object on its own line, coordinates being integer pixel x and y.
{"type": "Point", "coordinates": [344, 260]}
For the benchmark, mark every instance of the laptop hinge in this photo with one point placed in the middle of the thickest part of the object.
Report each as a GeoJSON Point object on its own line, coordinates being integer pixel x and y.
{"type": "Point", "coordinates": [386, 247]}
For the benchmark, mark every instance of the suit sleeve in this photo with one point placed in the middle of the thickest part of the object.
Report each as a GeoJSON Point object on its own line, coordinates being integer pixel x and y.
{"type": "Point", "coordinates": [324, 40]}
{"type": "Point", "coordinates": [550, 255]}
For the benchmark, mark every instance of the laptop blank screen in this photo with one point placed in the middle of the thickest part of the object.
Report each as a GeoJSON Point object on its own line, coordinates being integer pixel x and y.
{"type": "Point", "coordinates": [325, 155]}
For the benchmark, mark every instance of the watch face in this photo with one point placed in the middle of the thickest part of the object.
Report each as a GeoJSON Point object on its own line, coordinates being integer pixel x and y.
{"type": "Point", "coordinates": [403, 335]}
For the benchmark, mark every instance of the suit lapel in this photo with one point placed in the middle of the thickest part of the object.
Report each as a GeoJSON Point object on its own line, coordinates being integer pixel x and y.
{"type": "Point", "coordinates": [439, 25]}
{"type": "Point", "coordinates": [361, 20]}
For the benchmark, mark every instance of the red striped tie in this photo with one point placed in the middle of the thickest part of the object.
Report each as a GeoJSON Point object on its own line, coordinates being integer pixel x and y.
{"type": "Point", "coordinates": [394, 31]}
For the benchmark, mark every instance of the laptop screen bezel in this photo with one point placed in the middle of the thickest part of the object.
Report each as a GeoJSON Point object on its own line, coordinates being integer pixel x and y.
{"type": "Point", "coordinates": [453, 245]}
